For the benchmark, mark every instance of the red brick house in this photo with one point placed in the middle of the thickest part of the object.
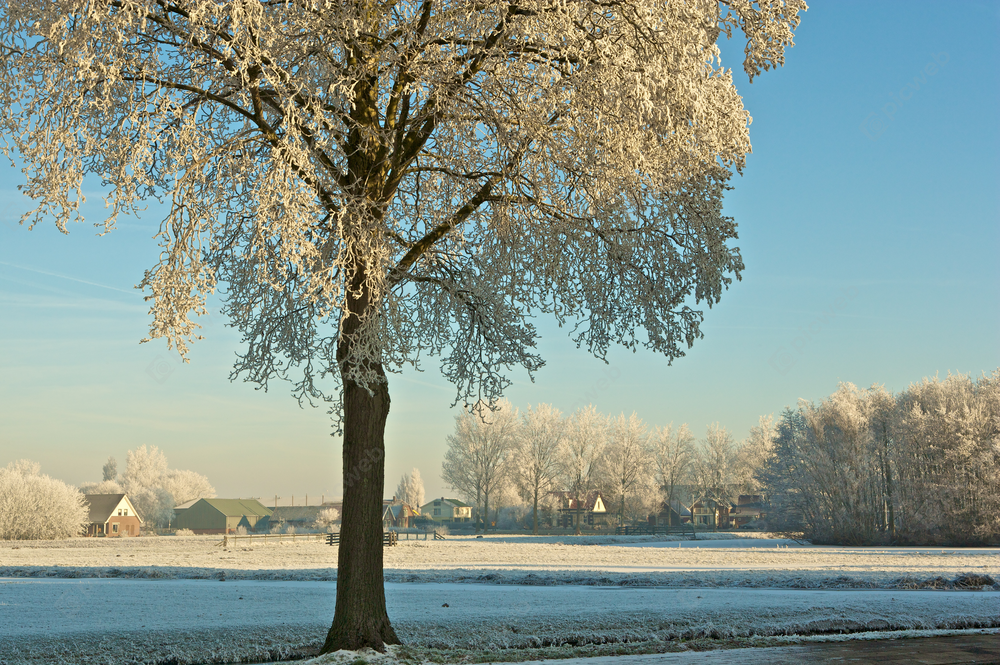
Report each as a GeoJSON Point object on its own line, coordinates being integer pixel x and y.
{"type": "Point", "coordinates": [112, 515]}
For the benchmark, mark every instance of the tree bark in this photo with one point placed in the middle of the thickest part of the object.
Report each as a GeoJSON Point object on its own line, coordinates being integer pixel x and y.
{"type": "Point", "coordinates": [360, 618]}
{"type": "Point", "coordinates": [534, 513]}
{"type": "Point", "coordinates": [486, 512]}
{"type": "Point", "coordinates": [579, 510]}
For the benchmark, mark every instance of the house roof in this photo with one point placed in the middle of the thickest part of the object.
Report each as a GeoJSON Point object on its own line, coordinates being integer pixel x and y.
{"type": "Point", "coordinates": [186, 504]}
{"type": "Point", "coordinates": [399, 510]}
{"type": "Point", "coordinates": [453, 502]}
{"type": "Point", "coordinates": [102, 506]}
{"type": "Point", "coordinates": [678, 508]}
{"type": "Point", "coordinates": [589, 501]}
{"type": "Point", "coordinates": [234, 507]}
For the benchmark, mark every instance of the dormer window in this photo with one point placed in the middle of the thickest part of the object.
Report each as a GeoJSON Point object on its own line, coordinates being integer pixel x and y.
{"type": "Point", "coordinates": [119, 512]}
{"type": "Point", "coordinates": [126, 512]}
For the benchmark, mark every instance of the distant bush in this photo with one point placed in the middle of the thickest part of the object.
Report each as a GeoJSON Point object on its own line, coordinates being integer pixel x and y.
{"type": "Point", "coordinates": [36, 507]}
{"type": "Point", "coordinates": [441, 530]}
{"type": "Point", "coordinates": [184, 532]}
{"type": "Point", "coordinates": [326, 518]}
{"type": "Point", "coordinates": [241, 531]}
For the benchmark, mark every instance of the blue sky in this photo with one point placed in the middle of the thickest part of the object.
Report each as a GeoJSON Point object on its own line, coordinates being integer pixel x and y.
{"type": "Point", "coordinates": [868, 220]}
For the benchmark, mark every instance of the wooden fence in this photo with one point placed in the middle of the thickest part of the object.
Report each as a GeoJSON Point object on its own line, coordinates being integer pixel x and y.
{"type": "Point", "coordinates": [654, 530]}
{"type": "Point", "coordinates": [417, 535]}
{"type": "Point", "coordinates": [269, 537]}
{"type": "Point", "coordinates": [389, 538]}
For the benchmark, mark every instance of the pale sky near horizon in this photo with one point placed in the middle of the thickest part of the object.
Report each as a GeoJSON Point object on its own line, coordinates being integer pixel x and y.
{"type": "Point", "coordinates": [869, 226]}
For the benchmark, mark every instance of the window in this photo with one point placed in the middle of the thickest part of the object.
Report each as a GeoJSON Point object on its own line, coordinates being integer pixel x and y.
{"type": "Point", "coordinates": [126, 512]}
{"type": "Point", "coordinates": [437, 511]}
{"type": "Point", "coordinates": [114, 528]}
{"type": "Point", "coordinates": [119, 512]}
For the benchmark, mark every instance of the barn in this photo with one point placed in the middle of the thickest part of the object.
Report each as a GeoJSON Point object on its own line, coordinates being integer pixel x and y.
{"type": "Point", "coordinates": [224, 516]}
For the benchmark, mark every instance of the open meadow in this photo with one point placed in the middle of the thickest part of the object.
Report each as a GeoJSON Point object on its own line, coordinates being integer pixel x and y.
{"type": "Point", "coordinates": [191, 599]}
{"type": "Point", "coordinates": [741, 560]}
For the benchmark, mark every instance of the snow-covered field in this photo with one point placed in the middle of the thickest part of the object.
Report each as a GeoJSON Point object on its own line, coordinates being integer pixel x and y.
{"type": "Point", "coordinates": [728, 560]}
{"type": "Point", "coordinates": [190, 600]}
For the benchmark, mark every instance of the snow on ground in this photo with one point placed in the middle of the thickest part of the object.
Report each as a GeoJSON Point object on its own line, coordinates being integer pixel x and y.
{"type": "Point", "coordinates": [189, 599]}
{"type": "Point", "coordinates": [527, 560]}
{"type": "Point", "coordinates": [149, 621]}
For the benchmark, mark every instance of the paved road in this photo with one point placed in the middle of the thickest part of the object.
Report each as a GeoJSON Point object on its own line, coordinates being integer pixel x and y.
{"type": "Point", "coordinates": [925, 650]}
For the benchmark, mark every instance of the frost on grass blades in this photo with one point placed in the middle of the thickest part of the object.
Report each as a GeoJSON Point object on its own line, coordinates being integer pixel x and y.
{"type": "Point", "coordinates": [504, 594]}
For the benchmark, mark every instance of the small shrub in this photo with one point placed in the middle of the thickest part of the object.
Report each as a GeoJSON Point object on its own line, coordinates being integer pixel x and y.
{"type": "Point", "coordinates": [184, 532]}
{"type": "Point", "coordinates": [241, 531]}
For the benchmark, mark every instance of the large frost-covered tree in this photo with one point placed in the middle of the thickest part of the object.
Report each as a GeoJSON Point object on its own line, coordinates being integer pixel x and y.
{"type": "Point", "coordinates": [480, 453]}
{"type": "Point", "coordinates": [673, 455]}
{"type": "Point", "coordinates": [536, 458]}
{"type": "Point", "coordinates": [152, 486]}
{"type": "Point", "coordinates": [411, 489]}
{"type": "Point", "coordinates": [581, 454]}
{"type": "Point", "coordinates": [626, 459]}
{"type": "Point", "coordinates": [34, 506]}
{"type": "Point", "coordinates": [374, 181]}
{"type": "Point", "coordinates": [716, 467]}
{"type": "Point", "coordinates": [110, 470]}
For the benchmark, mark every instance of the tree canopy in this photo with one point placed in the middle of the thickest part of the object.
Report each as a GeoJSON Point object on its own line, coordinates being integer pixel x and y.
{"type": "Point", "coordinates": [373, 182]}
{"type": "Point", "coordinates": [453, 164]}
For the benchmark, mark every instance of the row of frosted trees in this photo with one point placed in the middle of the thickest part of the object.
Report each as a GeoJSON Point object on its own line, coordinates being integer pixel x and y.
{"type": "Point", "coordinates": [868, 466]}
{"type": "Point", "coordinates": [34, 506]}
{"type": "Point", "coordinates": [503, 457]}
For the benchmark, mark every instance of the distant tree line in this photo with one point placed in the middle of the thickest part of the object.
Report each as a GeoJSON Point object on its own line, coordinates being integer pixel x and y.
{"type": "Point", "coordinates": [506, 463]}
{"type": "Point", "coordinates": [152, 487]}
{"type": "Point", "coordinates": [869, 467]}
{"type": "Point", "coordinates": [34, 506]}
{"type": "Point", "coordinates": [861, 467]}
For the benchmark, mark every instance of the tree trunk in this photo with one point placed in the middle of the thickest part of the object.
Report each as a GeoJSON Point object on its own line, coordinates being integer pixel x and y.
{"type": "Point", "coordinates": [534, 519]}
{"type": "Point", "coordinates": [479, 505]}
{"type": "Point", "coordinates": [360, 618]}
{"type": "Point", "coordinates": [486, 512]}
{"type": "Point", "coordinates": [579, 508]}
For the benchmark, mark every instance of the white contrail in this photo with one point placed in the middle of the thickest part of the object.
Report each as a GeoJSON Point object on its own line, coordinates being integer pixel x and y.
{"type": "Point", "coordinates": [72, 279]}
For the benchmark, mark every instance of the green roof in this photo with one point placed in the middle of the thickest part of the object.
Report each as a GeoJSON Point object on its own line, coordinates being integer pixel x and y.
{"type": "Point", "coordinates": [233, 507]}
